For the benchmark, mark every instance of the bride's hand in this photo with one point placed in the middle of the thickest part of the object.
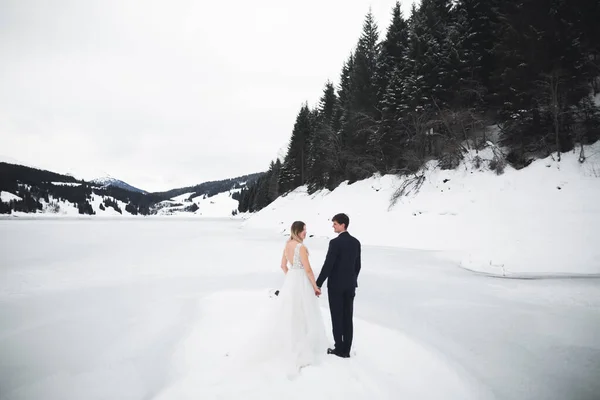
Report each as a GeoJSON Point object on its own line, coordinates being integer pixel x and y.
{"type": "Point", "coordinates": [317, 292]}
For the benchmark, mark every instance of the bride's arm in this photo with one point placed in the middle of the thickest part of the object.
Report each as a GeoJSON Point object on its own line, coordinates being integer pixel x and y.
{"type": "Point", "coordinates": [284, 263]}
{"type": "Point", "coordinates": [307, 267]}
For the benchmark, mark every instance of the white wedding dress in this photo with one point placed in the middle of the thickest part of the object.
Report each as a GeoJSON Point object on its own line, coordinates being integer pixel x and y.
{"type": "Point", "coordinates": [294, 331]}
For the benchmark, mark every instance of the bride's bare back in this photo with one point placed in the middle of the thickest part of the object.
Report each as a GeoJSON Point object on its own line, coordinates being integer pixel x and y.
{"type": "Point", "coordinates": [287, 261]}
{"type": "Point", "coordinates": [289, 251]}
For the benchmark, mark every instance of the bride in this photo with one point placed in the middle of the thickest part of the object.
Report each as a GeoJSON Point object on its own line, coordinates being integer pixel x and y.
{"type": "Point", "coordinates": [294, 332]}
{"type": "Point", "coordinates": [301, 327]}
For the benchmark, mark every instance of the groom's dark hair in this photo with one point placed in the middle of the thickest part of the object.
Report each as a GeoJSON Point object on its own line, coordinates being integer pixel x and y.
{"type": "Point", "coordinates": [341, 219]}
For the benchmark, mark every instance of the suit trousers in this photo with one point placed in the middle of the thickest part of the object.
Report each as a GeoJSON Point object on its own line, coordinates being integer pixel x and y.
{"type": "Point", "coordinates": [341, 306]}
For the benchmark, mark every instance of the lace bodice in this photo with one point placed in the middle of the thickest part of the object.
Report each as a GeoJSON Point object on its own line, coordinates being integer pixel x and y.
{"type": "Point", "coordinates": [296, 263]}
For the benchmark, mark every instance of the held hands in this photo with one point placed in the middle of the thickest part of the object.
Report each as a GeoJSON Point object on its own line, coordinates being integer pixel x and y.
{"type": "Point", "coordinates": [317, 291]}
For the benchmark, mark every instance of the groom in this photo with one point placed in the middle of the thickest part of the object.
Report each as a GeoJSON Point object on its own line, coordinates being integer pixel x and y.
{"type": "Point", "coordinates": [342, 265]}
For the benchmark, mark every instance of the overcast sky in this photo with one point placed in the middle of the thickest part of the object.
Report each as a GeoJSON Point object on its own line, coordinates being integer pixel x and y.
{"type": "Point", "coordinates": [165, 94]}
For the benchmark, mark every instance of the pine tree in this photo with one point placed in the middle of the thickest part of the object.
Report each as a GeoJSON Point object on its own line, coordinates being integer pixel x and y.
{"type": "Point", "coordinates": [413, 93]}
{"type": "Point", "coordinates": [346, 102]}
{"type": "Point", "coordinates": [477, 23]}
{"type": "Point", "coordinates": [438, 61]}
{"type": "Point", "coordinates": [361, 114]}
{"type": "Point", "coordinates": [391, 137]}
{"type": "Point", "coordinates": [295, 165]}
{"type": "Point", "coordinates": [385, 142]}
{"type": "Point", "coordinates": [392, 52]}
{"type": "Point", "coordinates": [587, 15]}
{"type": "Point", "coordinates": [242, 198]}
{"type": "Point", "coordinates": [261, 196]}
{"type": "Point", "coordinates": [273, 178]}
{"type": "Point", "coordinates": [541, 75]}
{"type": "Point", "coordinates": [131, 208]}
{"type": "Point", "coordinates": [345, 90]}
{"type": "Point", "coordinates": [324, 151]}
{"type": "Point", "coordinates": [365, 69]}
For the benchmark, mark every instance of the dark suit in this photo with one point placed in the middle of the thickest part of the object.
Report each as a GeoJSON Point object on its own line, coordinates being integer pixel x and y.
{"type": "Point", "coordinates": [341, 267]}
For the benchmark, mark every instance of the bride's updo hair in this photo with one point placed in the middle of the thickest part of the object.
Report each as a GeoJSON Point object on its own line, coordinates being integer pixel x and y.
{"type": "Point", "coordinates": [296, 229]}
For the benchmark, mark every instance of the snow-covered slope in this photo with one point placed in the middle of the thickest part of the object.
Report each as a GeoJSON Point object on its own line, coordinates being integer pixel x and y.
{"type": "Point", "coordinates": [540, 220]}
{"type": "Point", "coordinates": [7, 197]}
{"type": "Point", "coordinates": [182, 197]}
{"type": "Point", "coordinates": [220, 205]}
{"type": "Point", "coordinates": [59, 191]}
{"type": "Point", "coordinates": [62, 208]}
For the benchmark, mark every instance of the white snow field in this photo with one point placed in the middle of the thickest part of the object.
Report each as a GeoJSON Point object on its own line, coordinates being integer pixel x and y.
{"type": "Point", "coordinates": [155, 308]}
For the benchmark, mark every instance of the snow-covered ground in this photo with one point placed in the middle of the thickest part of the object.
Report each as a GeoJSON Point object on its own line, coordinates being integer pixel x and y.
{"type": "Point", "coordinates": [539, 221]}
{"type": "Point", "coordinates": [155, 308]}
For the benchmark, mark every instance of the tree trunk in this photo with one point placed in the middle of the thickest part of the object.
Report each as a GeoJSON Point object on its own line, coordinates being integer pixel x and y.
{"type": "Point", "coordinates": [556, 112]}
{"type": "Point", "coordinates": [581, 152]}
{"type": "Point", "coordinates": [551, 85]}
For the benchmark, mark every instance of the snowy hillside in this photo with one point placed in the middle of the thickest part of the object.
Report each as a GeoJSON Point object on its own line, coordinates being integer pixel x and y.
{"type": "Point", "coordinates": [540, 220]}
{"type": "Point", "coordinates": [52, 194]}
{"type": "Point", "coordinates": [7, 196]}
{"type": "Point", "coordinates": [62, 208]}
{"type": "Point", "coordinates": [217, 206]}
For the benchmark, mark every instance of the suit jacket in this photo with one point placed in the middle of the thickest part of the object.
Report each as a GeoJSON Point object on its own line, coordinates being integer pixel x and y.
{"type": "Point", "coordinates": [342, 263]}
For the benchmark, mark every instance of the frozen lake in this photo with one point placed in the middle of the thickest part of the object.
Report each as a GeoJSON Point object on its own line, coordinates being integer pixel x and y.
{"type": "Point", "coordinates": [150, 308]}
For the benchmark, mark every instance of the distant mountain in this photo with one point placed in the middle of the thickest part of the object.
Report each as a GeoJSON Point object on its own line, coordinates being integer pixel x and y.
{"type": "Point", "coordinates": [30, 190]}
{"type": "Point", "coordinates": [110, 181]}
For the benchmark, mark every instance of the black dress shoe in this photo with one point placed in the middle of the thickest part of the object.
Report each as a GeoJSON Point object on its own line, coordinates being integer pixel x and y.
{"type": "Point", "coordinates": [338, 353]}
